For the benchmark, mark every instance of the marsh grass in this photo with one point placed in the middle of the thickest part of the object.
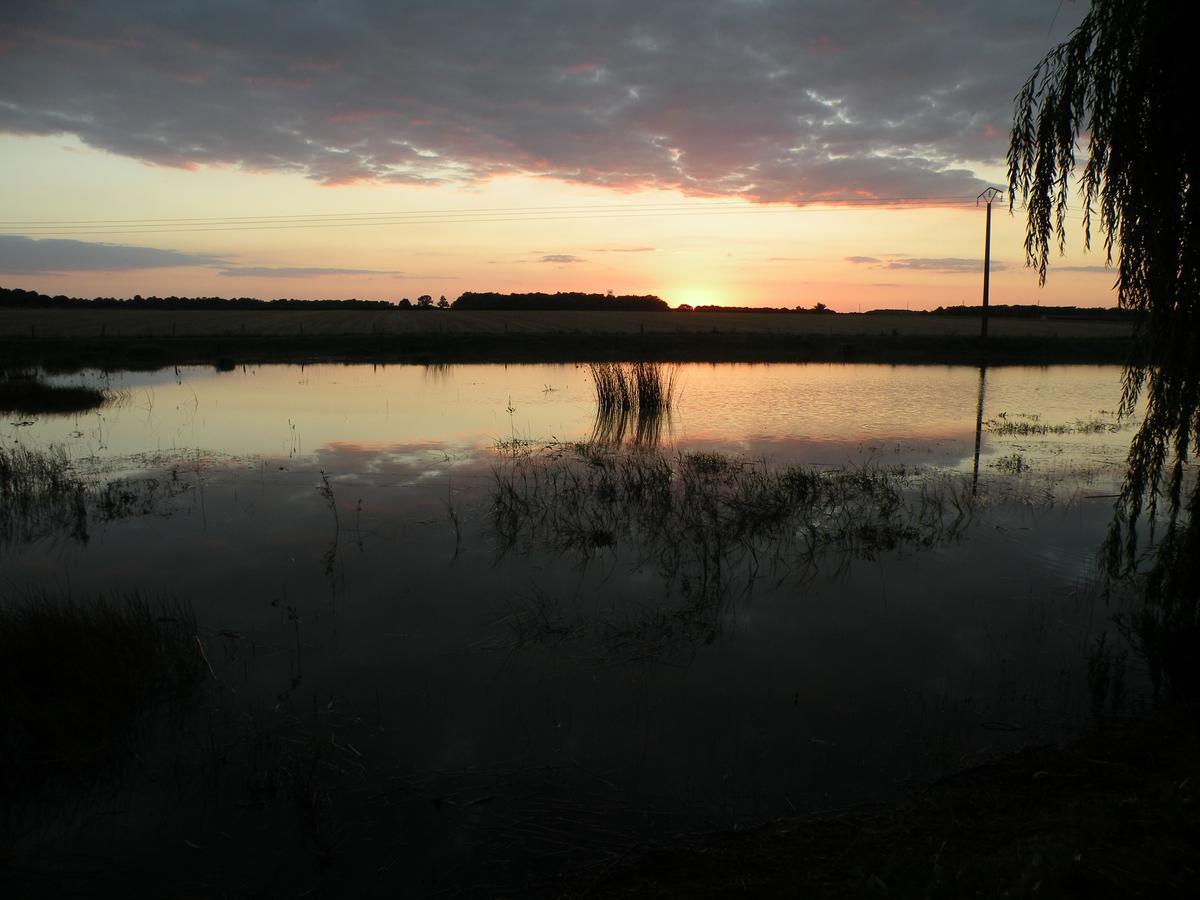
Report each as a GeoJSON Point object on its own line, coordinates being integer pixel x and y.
{"type": "Point", "coordinates": [712, 525]}
{"type": "Point", "coordinates": [40, 494]}
{"type": "Point", "coordinates": [44, 495]}
{"type": "Point", "coordinates": [1012, 464]}
{"type": "Point", "coordinates": [1031, 425]}
{"type": "Point", "coordinates": [633, 402]}
{"type": "Point", "coordinates": [639, 388]}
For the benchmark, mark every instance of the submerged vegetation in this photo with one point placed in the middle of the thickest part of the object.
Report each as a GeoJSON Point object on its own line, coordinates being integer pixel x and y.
{"type": "Point", "coordinates": [44, 495]}
{"type": "Point", "coordinates": [633, 402]}
{"type": "Point", "coordinates": [1005, 425]}
{"type": "Point", "coordinates": [40, 495]}
{"type": "Point", "coordinates": [710, 524]}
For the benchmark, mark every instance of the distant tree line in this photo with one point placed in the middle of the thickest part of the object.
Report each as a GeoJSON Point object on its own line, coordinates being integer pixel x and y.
{"type": "Point", "coordinates": [14, 298]}
{"type": "Point", "coordinates": [1029, 310]}
{"type": "Point", "coordinates": [17, 298]}
{"type": "Point", "coordinates": [561, 300]}
{"type": "Point", "coordinates": [818, 308]}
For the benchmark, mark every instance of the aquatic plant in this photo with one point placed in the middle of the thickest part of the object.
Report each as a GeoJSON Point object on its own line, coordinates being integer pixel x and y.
{"type": "Point", "coordinates": [712, 524]}
{"type": "Point", "coordinates": [43, 495]}
{"type": "Point", "coordinates": [1030, 426]}
{"type": "Point", "coordinates": [633, 402]}
{"type": "Point", "coordinates": [40, 493]}
{"type": "Point", "coordinates": [640, 387]}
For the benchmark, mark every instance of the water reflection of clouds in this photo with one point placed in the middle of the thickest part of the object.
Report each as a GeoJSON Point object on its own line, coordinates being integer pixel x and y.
{"type": "Point", "coordinates": [415, 460]}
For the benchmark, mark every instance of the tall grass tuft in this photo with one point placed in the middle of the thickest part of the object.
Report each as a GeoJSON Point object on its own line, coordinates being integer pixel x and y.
{"type": "Point", "coordinates": [640, 387]}
{"type": "Point", "coordinates": [633, 401]}
{"type": "Point", "coordinates": [40, 493]}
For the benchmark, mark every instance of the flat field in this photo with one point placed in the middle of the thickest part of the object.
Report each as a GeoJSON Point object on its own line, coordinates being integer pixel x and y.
{"type": "Point", "coordinates": [79, 324]}
{"type": "Point", "coordinates": [120, 338]}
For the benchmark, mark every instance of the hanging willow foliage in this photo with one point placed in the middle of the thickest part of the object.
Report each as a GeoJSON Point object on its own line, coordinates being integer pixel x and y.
{"type": "Point", "coordinates": [1121, 89]}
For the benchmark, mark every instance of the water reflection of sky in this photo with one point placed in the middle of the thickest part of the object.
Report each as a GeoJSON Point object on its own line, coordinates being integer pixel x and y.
{"type": "Point", "coordinates": [817, 412]}
{"type": "Point", "coordinates": [802, 694]}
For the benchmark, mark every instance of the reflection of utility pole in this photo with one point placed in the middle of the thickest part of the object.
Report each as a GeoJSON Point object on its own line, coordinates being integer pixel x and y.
{"type": "Point", "coordinates": [978, 428]}
{"type": "Point", "coordinates": [987, 196]}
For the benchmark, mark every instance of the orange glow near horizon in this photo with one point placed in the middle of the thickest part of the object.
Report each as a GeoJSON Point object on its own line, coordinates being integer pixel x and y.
{"type": "Point", "coordinates": [510, 234]}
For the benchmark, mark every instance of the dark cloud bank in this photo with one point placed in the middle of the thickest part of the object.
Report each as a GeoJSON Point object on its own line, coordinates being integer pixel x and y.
{"type": "Point", "coordinates": [25, 256]}
{"type": "Point", "coordinates": [774, 101]}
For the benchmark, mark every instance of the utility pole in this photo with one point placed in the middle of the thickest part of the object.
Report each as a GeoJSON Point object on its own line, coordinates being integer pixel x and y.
{"type": "Point", "coordinates": [987, 196]}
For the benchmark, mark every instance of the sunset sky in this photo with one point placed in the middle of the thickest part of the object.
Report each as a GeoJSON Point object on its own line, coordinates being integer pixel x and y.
{"type": "Point", "coordinates": [746, 152]}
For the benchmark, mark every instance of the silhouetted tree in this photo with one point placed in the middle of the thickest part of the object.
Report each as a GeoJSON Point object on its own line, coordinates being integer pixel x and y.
{"type": "Point", "coordinates": [1124, 78]}
{"type": "Point", "coordinates": [443, 303]}
{"type": "Point", "coordinates": [424, 302]}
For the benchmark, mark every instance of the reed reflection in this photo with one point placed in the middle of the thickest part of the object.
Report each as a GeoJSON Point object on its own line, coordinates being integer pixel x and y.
{"type": "Point", "coordinates": [642, 430]}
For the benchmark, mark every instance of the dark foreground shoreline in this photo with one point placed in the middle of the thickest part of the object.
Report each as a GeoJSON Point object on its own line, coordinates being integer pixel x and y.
{"type": "Point", "coordinates": [1115, 814]}
{"type": "Point", "coordinates": [431, 348]}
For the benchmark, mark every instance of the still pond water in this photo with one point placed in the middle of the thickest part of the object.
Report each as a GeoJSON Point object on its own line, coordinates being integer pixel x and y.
{"type": "Point", "coordinates": [404, 696]}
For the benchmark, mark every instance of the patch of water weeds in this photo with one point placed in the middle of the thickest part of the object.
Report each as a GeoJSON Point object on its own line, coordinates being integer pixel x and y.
{"type": "Point", "coordinates": [711, 525]}
{"type": "Point", "coordinates": [45, 494]}
{"type": "Point", "coordinates": [1030, 424]}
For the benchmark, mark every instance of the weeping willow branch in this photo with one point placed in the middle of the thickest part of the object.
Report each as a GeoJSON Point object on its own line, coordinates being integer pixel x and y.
{"type": "Point", "coordinates": [1122, 86]}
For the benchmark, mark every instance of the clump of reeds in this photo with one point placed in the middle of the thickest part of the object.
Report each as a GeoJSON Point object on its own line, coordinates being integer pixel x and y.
{"type": "Point", "coordinates": [640, 387]}
{"type": "Point", "coordinates": [40, 493]}
{"type": "Point", "coordinates": [43, 495]}
{"type": "Point", "coordinates": [633, 402]}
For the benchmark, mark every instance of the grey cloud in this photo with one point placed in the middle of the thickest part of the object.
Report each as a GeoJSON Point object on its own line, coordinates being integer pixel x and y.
{"type": "Point", "coordinates": [861, 260]}
{"type": "Point", "coordinates": [767, 100]}
{"type": "Point", "coordinates": [283, 272]}
{"type": "Point", "coordinates": [29, 256]}
{"type": "Point", "coordinates": [1087, 270]}
{"type": "Point", "coordinates": [943, 265]}
{"type": "Point", "coordinates": [561, 258]}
